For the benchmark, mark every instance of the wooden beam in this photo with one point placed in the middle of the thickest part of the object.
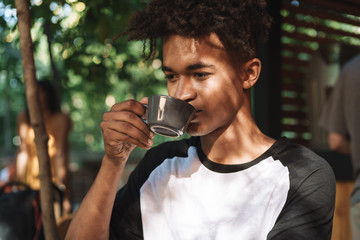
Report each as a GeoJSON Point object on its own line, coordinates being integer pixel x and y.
{"type": "Point", "coordinates": [337, 6]}
{"type": "Point", "coordinates": [298, 49]}
{"type": "Point", "coordinates": [322, 13]}
{"type": "Point", "coordinates": [353, 3]}
{"type": "Point", "coordinates": [295, 128]}
{"type": "Point", "coordinates": [319, 27]}
{"type": "Point", "coordinates": [293, 101]}
{"type": "Point", "coordinates": [295, 61]}
{"type": "Point", "coordinates": [294, 114]}
{"type": "Point", "coordinates": [307, 38]}
{"type": "Point", "coordinates": [293, 74]}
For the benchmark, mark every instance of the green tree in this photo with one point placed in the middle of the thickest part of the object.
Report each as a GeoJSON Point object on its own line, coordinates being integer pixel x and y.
{"type": "Point", "coordinates": [76, 46]}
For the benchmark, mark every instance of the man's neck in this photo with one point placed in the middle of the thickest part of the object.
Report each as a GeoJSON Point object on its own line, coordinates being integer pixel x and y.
{"type": "Point", "coordinates": [240, 142]}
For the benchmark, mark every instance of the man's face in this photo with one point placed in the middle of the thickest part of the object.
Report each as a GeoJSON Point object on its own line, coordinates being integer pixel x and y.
{"type": "Point", "coordinates": [200, 72]}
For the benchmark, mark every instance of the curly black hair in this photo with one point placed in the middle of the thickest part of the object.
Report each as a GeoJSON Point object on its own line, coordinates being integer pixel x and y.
{"type": "Point", "coordinates": [237, 23]}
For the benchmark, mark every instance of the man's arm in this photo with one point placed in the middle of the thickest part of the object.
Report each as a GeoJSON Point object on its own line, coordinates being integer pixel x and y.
{"type": "Point", "coordinates": [92, 219]}
{"type": "Point", "coordinates": [122, 129]}
{"type": "Point", "coordinates": [338, 142]}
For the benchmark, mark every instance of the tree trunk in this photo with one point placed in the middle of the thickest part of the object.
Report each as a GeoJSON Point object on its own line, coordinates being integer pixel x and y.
{"type": "Point", "coordinates": [36, 119]}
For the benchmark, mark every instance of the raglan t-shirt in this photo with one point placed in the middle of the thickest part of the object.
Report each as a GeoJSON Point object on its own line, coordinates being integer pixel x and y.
{"type": "Point", "coordinates": [176, 193]}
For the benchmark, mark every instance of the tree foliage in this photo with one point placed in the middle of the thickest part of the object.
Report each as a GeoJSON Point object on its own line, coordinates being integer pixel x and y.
{"type": "Point", "coordinates": [76, 46]}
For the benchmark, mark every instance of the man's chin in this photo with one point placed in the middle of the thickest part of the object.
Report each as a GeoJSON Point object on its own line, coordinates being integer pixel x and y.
{"type": "Point", "coordinates": [194, 131]}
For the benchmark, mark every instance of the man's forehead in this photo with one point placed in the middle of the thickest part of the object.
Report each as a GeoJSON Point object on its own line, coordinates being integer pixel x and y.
{"type": "Point", "coordinates": [192, 44]}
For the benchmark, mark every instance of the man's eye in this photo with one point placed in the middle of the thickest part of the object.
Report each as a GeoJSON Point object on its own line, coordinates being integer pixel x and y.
{"type": "Point", "coordinates": [170, 77]}
{"type": "Point", "coordinates": [201, 75]}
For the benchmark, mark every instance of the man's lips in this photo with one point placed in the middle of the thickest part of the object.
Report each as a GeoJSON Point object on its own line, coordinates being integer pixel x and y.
{"type": "Point", "coordinates": [195, 116]}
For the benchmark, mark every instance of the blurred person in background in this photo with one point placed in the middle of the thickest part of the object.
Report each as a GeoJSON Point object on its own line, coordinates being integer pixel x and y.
{"type": "Point", "coordinates": [58, 126]}
{"type": "Point", "coordinates": [341, 118]}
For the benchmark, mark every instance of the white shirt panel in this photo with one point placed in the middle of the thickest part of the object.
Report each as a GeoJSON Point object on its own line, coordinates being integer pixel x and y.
{"type": "Point", "coordinates": [182, 199]}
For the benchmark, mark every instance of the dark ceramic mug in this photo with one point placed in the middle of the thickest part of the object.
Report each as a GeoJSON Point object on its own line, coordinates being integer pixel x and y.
{"type": "Point", "coordinates": [168, 116]}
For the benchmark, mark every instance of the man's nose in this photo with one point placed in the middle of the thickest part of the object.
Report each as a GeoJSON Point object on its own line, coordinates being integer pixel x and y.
{"type": "Point", "coordinates": [185, 90]}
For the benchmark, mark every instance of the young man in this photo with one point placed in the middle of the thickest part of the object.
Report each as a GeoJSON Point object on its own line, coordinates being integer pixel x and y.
{"type": "Point", "coordinates": [229, 180]}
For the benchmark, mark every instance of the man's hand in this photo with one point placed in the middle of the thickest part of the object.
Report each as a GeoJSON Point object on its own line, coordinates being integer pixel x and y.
{"type": "Point", "coordinates": [123, 130]}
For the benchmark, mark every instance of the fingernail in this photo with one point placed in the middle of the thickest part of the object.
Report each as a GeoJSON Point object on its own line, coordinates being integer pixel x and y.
{"type": "Point", "coordinates": [150, 141]}
{"type": "Point", "coordinates": [152, 134]}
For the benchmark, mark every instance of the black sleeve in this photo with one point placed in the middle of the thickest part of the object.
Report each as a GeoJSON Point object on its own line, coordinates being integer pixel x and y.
{"type": "Point", "coordinates": [125, 221]}
{"type": "Point", "coordinates": [308, 211]}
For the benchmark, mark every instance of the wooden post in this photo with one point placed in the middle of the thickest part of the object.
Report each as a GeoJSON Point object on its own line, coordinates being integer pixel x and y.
{"type": "Point", "coordinates": [36, 119]}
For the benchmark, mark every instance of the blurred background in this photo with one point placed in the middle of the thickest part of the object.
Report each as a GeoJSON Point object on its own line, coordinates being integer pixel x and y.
{"type": "Point", "coordinates": [76, 47]}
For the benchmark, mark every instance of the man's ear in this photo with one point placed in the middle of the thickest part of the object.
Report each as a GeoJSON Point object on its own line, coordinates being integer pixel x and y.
{"type": "Point", "coordinates": [252, 69]}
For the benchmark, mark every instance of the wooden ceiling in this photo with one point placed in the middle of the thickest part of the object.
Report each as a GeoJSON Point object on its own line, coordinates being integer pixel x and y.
{"type": "Point", "coordinates": [297, 106]}
{"type": "Point", "coordinates": [345, 6]}
{"type": "Point", "coordinates": [355, 4]}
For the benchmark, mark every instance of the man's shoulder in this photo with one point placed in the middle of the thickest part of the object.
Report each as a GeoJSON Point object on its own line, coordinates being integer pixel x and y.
{"type": "Point", "coordinates": [300, 157]}
{"type": "Point", "coordinates": [306, 168]}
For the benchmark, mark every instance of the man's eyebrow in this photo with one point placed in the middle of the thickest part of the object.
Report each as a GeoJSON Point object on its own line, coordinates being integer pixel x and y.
{"type": "Point", "coordinates": [167, 69]}
{"type": "Point", "coordinates": [190, 67]}
{"type": "Point", "coordinates": [198, 66]}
